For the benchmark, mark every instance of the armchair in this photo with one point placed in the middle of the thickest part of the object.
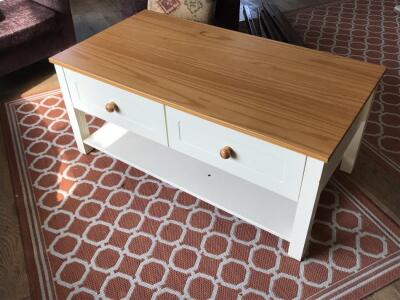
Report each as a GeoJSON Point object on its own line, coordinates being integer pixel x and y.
{"type": "Point", "coordinates": [32, 30]}
{"type": "Point", "coordinates": [226, 11]}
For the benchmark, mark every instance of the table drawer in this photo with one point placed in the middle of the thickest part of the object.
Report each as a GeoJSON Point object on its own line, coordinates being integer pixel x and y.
{"type": "Point", "coordinates": [135, 113]}
{"type": "Point", "coordinates": [270, 166]}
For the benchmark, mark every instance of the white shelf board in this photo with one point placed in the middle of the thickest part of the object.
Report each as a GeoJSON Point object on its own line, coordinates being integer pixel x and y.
{"type": "Point", "coordinates": [252, 203]}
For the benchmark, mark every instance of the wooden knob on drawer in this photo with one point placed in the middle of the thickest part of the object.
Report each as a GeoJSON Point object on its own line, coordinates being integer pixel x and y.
{"type": "Point", "coordinates": [111, 107]}
{"type": "Point", "coordinates": [226, 152]}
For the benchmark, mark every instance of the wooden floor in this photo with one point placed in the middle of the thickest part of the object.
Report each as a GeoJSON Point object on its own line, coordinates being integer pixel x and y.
{"type": "Point", "coordinates": [91, 16]}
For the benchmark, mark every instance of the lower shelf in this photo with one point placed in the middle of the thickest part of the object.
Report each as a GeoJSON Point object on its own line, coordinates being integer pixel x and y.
{"type": "Point", "coordinates": [252, 203]}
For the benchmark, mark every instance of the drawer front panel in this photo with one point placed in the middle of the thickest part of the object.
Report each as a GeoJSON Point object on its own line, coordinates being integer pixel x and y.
{"type": "Point", "coordinates": [270, 166]}
{"type": "Point", "coordinates": [135, 113]}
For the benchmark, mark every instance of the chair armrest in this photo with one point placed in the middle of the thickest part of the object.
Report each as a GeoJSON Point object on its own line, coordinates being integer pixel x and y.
{"type": "Point", "coordinates": [61, 6]}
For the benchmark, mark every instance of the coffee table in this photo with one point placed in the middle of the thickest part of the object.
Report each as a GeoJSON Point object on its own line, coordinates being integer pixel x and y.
{"type": "Point", "coordinates": [253, 126]}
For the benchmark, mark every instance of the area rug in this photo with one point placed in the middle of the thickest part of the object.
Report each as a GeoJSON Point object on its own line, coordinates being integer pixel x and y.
{"type": "Point", "coordinates": [367, 30]}
{"type": "Point", "coordinates": [95, 228]}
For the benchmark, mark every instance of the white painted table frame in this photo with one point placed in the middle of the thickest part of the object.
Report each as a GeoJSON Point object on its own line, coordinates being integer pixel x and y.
{"type": "Point", "coordinates": [290, 220]}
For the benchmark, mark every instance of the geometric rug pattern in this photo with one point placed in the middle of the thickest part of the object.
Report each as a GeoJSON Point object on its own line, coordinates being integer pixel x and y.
{"type": "Point", "coordinates": [366, 30]}
{"type": "Point", "coordinates": [100, 229]}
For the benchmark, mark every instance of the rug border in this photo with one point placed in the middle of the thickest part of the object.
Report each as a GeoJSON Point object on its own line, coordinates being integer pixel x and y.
{"type": "Point", "coordinates": [27, 244]}
{"type": "Point", "coordinates": [387, 277]}
{"type": "Point", "coordinates": [30, 262]}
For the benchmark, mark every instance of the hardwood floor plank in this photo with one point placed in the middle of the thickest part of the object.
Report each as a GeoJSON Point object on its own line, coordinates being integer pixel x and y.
{"type": "Point", "coordinates": [391, 292]}
{"type": "Point", "coordinates": [13, 278]}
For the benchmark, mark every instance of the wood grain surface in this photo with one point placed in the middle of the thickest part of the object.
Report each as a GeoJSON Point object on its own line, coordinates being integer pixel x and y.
{"type": "Point", "coordinates": [295, 97]}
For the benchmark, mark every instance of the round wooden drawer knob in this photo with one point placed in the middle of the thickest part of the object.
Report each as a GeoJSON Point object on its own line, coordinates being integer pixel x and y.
{"type": "Point", "coordinates": [111, 107]}
{"type": "Point", "coordinates": [226, 152]}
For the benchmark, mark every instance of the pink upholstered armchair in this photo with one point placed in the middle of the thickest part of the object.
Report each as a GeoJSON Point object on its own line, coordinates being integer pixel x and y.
{"type": "Point", "coordinates": [31, 30]}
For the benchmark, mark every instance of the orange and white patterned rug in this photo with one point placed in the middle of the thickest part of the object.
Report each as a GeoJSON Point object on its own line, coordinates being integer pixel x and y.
{"type": "Point", "coordinates": [95, 228]}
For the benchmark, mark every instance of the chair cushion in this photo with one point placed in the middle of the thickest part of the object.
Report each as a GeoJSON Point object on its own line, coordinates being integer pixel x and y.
{"type": "Point", "coordinates": [24, 20]}
{"type": "Point", "coordinates": [195, 10]}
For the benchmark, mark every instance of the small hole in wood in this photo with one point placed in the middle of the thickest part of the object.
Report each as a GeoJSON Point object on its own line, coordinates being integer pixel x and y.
{"type": "Point", "coordinates": [209, 175]}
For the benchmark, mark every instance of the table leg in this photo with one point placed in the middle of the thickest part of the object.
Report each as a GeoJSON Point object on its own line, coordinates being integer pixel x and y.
{"type": "Point", "coordinates": [351, 152]}
{"type": "Point", "coordinates": [306, 207]}
{"type": "Point", "coordinates": [77, 118]}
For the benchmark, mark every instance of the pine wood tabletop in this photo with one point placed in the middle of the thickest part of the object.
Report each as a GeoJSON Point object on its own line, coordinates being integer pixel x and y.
{"type": "Point", "coordinates": [298, 98]}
